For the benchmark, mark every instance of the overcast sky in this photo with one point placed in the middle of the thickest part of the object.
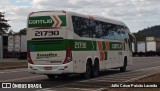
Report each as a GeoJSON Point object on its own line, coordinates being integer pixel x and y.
{"type": "Point", "coordinates": [137, 14]}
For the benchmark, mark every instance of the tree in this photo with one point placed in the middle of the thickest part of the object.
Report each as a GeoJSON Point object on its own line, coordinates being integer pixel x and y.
{"type": "Point", "coordinates": [4, 26]}
{"type": "Point", "coordinates": [23, 31]}
{"type": "Point", "coordinates": [139, 36]}
{"type": "Point", "coordinates": [153, 31]}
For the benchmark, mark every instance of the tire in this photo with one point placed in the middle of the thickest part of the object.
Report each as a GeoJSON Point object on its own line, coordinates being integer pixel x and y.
{"type": "Point", "coordinates": [124, 67]}
{"type": "Point", "coordinates": [63, 76]}
{"type": "Point", "coordinates": [88, 72]}
{"type": "Point", "coordinates": [95, 69]}
{"type": "Point", "coordinates": [50, 76]}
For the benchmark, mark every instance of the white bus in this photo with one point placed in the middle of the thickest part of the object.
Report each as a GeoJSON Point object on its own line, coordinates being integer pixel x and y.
{"type": "Point", "coordinates": [61, 43]}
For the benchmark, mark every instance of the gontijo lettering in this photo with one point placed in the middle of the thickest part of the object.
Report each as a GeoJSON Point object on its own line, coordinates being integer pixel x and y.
{"type": "Point", "coordinates": [40, 21]}
{"type": "Point", "coordinates": [47, 21]}
{"type": "Point", "coordinates": [116, 46]}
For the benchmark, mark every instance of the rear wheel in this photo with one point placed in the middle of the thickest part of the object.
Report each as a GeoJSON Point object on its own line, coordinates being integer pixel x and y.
{"type": "Point", "coordinates": [50, 76]}
{"type": "Point", "coordinates": [88, 72]}
{"type": "Point", "coordinates": [63, 76]}
{"type": "Point", "coordinates": [95, 69]}
{"type": "Point", "coordinates": [124, 67]}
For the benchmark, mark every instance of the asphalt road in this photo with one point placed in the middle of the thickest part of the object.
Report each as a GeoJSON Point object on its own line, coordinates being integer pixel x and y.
{"type": "Point", "coordinates": [22, 75]}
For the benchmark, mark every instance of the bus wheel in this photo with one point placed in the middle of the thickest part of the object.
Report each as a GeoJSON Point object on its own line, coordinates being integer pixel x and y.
{"type": "Point", "coordinates": [96, 68]}
{"type": "Point", "coordinates": [63, 76]}
{"type": "Point", "coordinates": [50, 76]}
{"type": "Point", "coordinates": [88, 72]}
{"type": "Point", "coordinates": [124, 67]}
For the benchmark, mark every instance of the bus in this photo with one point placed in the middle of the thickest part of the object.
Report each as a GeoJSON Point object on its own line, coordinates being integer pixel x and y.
{"type": "Point", "coordinates": [60, 43]}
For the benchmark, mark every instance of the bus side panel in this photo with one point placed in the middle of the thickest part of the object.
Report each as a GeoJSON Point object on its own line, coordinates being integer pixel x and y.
{"type": "Point", "coordinates": [96, 54]}
{"type": "Point", "coordinates": [129, 57]}
{"type": "Point", "coordinates": [110, 60]}
{"type": "Point", "coordinates": [79, 60]}
{"type": "Point", "coordinates": [128, 54]}
{"type": "Point", "coordinates": [116, 54]}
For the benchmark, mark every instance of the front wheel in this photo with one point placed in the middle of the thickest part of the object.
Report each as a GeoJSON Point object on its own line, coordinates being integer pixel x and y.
{"type": "Point", "coordinates": [124, 67]}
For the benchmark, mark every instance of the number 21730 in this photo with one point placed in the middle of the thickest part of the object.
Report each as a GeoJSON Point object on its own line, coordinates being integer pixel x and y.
{"type": "Point", "coordinates": [46, 33]}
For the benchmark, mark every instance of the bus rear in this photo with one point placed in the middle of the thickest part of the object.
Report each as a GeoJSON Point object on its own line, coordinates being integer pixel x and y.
{"type": "Point", "coordinates": [47, 49]}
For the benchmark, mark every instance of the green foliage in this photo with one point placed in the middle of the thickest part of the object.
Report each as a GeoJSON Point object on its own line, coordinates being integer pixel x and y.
{"type": "Point", "coordinates": [22, 31]}
{"type": "Point", "coordinates": [4, 26]}
{"type": "Point", "coordinates": [139, 37]}
{"type": "Point", "coordinates": [153, 31]}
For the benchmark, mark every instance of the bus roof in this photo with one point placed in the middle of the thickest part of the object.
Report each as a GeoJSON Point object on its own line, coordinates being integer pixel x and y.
{"type": "Point", "coordinates": [100, 18]}
{"type": "Point", "coordinates": [87, 16]}
{"type": "Point", "coordinates": [94, 17]}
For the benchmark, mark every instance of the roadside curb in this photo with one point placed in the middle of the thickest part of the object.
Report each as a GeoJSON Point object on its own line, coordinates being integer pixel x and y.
{"type": "Point", "coordinates": [5, 65]}
{"type": "Point", "coordinates": [13, 67]}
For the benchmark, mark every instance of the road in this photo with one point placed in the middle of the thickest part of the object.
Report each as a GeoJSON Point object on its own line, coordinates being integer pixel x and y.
{"type": "Point", "coordinates": [141, 66]}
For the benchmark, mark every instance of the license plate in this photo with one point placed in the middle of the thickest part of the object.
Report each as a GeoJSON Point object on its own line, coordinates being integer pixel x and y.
{"type": "Point", "coordinates": [47, 68]}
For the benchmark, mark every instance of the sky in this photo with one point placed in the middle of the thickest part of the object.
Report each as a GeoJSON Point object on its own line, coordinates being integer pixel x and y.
{"type": "Point", "coordinates": [136, 14]}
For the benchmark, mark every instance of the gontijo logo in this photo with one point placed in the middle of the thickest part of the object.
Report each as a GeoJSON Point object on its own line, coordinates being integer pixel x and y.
{"type": "Point", "coordinates": [117, 46]}
{"type": "Point", "coordinates": [47, 21]}
{"type": "Point", "coordinates": [40, 21]}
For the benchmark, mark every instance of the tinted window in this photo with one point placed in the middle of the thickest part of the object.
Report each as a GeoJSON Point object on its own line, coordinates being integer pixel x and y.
{"type": "Point", "coordinates": [90, 28]}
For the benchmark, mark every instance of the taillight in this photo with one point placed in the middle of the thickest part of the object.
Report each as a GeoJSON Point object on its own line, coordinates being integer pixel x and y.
{"type": "Point", "coordinates": [29, 57]}
{"type": "Point", "coordinates": [68, 55]}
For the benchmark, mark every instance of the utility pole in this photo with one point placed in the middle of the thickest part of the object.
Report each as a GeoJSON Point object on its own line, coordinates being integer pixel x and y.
{"type": "Point", "coordinates": [4, 26]}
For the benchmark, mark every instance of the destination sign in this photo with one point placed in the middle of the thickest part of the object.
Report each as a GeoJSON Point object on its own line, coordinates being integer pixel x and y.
{"type": "Point", "coordinates": [47, 21]}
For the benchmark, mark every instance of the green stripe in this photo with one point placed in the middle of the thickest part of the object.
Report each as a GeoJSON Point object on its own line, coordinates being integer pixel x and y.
{"type": "Point", "coordinates": [103, 45]}
{"type": "Point", "coordinates": [105, 55]}
{"type": "Point", "coordinates": [40, 21]}
{"type": "Point", "coordinates": [116, 46]}
{"type": "Point", "coordinates": [81, 45]}
{"type": "Point", "coordinates": [94, 45]}
{"type": "Point", "coordinates": [76, 45]}
{"type": "Point", "coordinates": [44, 21]}
{"type": "Point", "coordinates": [63, 19]}
{"type": "Point", "coordinates": [47, 45]}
